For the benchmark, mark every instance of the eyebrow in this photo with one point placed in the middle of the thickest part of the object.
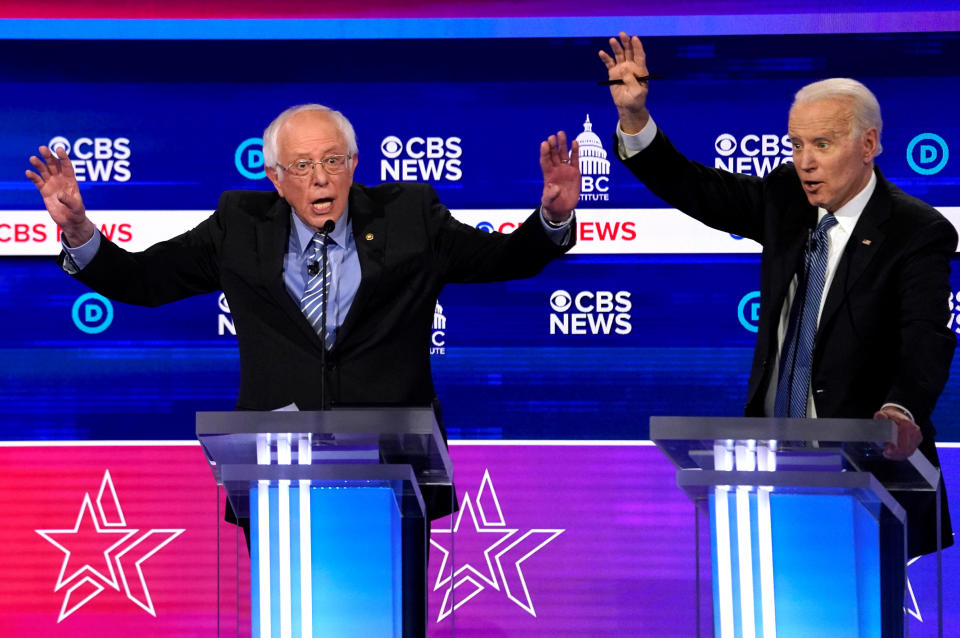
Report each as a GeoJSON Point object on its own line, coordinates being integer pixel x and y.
{"type": "Point", "coordinates": [307, 155]}
{"type": "Point", "coordinates": [832, 134]}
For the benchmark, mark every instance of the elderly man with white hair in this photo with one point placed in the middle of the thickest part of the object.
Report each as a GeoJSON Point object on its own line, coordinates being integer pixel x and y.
{"type": "Point", "coordinates": [390, 249]}
{"type": "Point", "coordinates": [854, 272]}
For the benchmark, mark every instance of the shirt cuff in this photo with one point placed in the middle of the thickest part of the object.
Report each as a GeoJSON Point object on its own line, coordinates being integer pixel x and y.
{"type": "Point", "coordinates": [76, 259]}
{"type": "Point", "coordinates": [901, 408]}
{"type": "Point", "coordinates": [631, 144]}
{"type": "Point", "coordinates": [560, 235]}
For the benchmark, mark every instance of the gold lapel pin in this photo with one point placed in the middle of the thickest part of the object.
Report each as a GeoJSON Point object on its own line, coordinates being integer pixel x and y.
{"type": "Point", "coordinates": [368, 236]}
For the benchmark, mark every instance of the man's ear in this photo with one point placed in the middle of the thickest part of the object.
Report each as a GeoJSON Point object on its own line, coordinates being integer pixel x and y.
{"type": "Point", "coordinates": [871, 143]}
{"type": "Point", "coordinates": [274, 177]}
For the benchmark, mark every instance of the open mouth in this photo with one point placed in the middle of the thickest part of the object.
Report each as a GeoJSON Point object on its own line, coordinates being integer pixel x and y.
{"type": "Point", "coordinates": [322, 205]}
{"type": "Point", "coordinates": [811, 186]}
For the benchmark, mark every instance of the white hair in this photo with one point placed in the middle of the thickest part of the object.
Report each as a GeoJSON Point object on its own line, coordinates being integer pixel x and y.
{"type": "Point", "coordinates": [270, 134]}
{"type": "Point", "coordinates": [865, 107]}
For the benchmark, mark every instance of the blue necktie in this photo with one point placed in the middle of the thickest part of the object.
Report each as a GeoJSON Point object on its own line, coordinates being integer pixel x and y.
{"type": "Point", "coordinates": [312, 301]}
{"type": "Point", "coordinates": [796, 355]}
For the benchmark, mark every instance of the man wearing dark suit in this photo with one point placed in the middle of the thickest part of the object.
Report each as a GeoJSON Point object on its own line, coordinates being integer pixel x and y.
{"type": "Point", "coordinates": [392, 249]}
{"type": "Point", "coordinates": [881, 346]}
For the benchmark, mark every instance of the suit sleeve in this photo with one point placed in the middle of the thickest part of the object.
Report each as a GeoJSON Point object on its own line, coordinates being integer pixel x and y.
{"type": "Point", "coordinates": [465, 254]}
{"type": "Point", "coordinates": [180, 267]}
{"type": "Point", "coordinates": [729, 202]}
{"type": "Point", "coordinates": [926, 344]}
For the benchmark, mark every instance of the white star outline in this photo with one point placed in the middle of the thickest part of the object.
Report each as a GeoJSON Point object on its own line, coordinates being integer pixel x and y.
{"type": "Point", "coordinates": [104, 525]}
{"type": "Point", "coordinates": [915, 612]}
{"type": "Point", "coordinates": [492, 523]}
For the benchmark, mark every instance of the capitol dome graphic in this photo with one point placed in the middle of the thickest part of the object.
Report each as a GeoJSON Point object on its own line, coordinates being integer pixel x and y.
{"type": "Point", "coordinates": [593, 159]}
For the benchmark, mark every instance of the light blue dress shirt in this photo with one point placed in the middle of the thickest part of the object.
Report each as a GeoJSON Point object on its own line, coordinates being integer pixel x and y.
{"type": "Point", "coordinates": [342, 260]}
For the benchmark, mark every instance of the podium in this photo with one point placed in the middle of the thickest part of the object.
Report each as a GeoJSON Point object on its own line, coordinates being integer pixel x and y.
{"type": "Point", "coordinates": [337, 525]}
{"type": "Point", "coordinates": [806, 539]}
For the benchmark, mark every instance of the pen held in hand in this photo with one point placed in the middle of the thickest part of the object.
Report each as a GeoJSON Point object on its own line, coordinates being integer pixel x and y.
{"type": "Point", "coordinates": [640, 78]}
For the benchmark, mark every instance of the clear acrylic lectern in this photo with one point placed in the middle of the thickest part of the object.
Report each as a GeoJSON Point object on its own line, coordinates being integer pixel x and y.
{"type": "Point", "coordinates": [806, 539]}
{"type": "Point", "coordinates": [337, 526]}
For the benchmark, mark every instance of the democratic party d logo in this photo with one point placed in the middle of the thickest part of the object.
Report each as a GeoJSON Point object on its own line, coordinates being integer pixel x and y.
{"type": "Point", "coordinates": [748, 311]}
{"type": "Point", "coordinates": [248, 158]}
{"type": "Point", "coordinates": [92, 313]}
{"type": "Point", "coordinates": [927, 153]}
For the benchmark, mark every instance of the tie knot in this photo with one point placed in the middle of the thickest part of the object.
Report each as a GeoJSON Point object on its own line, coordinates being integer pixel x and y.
{"type": "Point", "coordinates": [316, 245]}
{"type": "Point", "coordinates": [828, 222]}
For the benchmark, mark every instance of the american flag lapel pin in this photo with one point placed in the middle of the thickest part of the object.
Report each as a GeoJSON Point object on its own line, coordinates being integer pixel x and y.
{"type": "Point", "coordinates": [867, 242]}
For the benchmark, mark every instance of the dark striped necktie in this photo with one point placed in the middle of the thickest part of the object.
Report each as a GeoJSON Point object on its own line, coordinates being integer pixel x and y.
{"type": "Point", "coordinates": [796, 355]}
{"type": "Point", "coordinates": [318, 287]}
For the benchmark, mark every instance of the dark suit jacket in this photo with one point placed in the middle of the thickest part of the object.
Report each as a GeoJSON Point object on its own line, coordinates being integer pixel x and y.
{"type": "Point", "coordinates": [409, 247]}
{"type": "Point", "coordinates": [883, 333]}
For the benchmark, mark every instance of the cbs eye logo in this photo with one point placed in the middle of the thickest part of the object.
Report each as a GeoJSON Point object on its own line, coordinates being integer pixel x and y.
{"type": "Point", "coordinates": [391, 146]}
{"type": "Point", "coordinates": [725, 144]}
{"type": "Point", "coordinates": [59, 142]}
{"type": "Point", "coordinates": [561, 301]}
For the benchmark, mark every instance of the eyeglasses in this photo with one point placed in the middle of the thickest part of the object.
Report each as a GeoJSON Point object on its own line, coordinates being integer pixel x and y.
{"type": "Point", "coordinates": [331, 164]}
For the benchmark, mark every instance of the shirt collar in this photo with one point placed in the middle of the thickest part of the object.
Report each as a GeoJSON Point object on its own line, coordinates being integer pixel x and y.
{"type": "Point", "coordinates": [848, 214]}
{"type": "Point", "coordinates": [304, 234]}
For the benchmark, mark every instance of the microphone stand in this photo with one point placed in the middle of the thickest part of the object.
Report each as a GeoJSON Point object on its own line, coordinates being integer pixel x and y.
{"type": "Point", "coordinates": [327, 228]}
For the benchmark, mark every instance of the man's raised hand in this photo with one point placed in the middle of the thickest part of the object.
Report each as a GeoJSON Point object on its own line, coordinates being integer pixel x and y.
{"type": "Point", "coordinates": [628, 63]}
{"type": "Point", "coordinates": [57, 183]}
{"type": "Point", "coordinates": [561, 177]}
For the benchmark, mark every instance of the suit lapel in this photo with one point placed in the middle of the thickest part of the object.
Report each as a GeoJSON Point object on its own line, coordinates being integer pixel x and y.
{"type": "Point", "coordinates": [863, 244]}
{"type": "Point", "coordinates": [273, 234]}
{"type": "Point", "coordinates": [369, 235]}
{"type": "Point", "coordinates": [790, 244]}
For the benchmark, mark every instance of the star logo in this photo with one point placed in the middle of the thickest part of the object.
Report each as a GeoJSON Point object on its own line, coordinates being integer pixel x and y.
{"type": "Point", "coordinates": [100, 551]}
{"type": "Point", "coordinates": [914, 608]}
{"type": "Point", "coordinates": [488, 553]}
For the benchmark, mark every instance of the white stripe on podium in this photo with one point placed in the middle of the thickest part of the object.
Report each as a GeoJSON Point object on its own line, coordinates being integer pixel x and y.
{"type": "Point", "coordinates": [765, 548]}
{"type": "Point", "coordinates": [283, 539]}
{"type": "Point", "coordinates": [766, 462]}
{"type": "Point", "coordinates": [723, 462]}
{"type": "Point", "coordinates": [306, 579]}
{"type": "Point", "coordinates": [748, 621]}
{"type": "Point", "coordinates": [745, 456]}
{"type": "Point", "coordinates": [263, 538]}
{"type": "Point", "coordinates": [724, 560]}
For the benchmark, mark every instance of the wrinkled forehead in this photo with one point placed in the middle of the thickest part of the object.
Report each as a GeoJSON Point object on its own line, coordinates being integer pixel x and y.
{"type": "Point", "coordinates": [827, 117]}
{"type": "Point", "coordinates": [310, 133]}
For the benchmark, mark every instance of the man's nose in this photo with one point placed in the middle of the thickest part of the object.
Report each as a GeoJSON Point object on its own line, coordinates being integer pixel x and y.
{"type": "Point", "coordinates": [804, 160]}
{"type": "Point", "coordinates": [319, 176]}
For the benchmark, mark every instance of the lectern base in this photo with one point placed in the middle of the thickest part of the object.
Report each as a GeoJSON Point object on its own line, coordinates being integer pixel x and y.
{"type": "Point", "coordinates": [796, 565]}
{"type": "Point", "coordinates": [326, 561]}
